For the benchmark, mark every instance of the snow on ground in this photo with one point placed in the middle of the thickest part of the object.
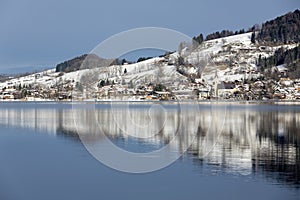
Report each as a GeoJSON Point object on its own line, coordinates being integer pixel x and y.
{"type": "Point", "coordinates": [231, 58]}
{"type": "Point", "coordinates": [146, 71]}
{"type": "Point", "coordinates": [281, 68]}
{"type": "Point", "coordinates": [216, 45]}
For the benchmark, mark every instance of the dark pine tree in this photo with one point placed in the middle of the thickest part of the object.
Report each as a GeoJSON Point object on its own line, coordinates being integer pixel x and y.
{"type": "Point", "coordinates": [253, 37]}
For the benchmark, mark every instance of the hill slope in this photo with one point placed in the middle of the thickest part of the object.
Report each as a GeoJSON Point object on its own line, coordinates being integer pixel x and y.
{"type": "Point", "coordinates": [244, 69]}
{"type": "Point", "coordinates": [284, 29]}
{"type": "Point", "coordinates": [86, 61]}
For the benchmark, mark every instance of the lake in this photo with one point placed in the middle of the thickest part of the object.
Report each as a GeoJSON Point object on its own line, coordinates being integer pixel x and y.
{"type": "Point", "coordinates": [105, 151]}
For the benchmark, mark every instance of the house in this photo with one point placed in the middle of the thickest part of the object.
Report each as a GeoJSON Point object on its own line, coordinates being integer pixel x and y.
{"type": "Point", "coordinates": [286, 82]}
{"type": "Point", "coordinates": [163, 95]}
{"type": "Point", "coordinates": [203, 93]}
{"type": "Point", "coordinates": [7, 95]}
{"type": "Point", "coordinates": [183, 94]}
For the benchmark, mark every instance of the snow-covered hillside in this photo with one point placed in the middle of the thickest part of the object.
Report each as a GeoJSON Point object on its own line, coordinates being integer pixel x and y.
{"type": "Point", "coordinates": [230, 58]}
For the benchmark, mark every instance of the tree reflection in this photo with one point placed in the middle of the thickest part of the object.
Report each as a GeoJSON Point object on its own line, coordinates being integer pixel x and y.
{"type": "Point", "coordinates": [258, 140]}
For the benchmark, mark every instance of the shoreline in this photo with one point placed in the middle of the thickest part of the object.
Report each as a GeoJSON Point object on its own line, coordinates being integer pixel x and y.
{"type": "Point", "coordinates": [278, 102]}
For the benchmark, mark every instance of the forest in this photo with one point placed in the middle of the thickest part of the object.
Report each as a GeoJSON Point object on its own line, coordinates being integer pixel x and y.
{"type": "Point", "coordinates": [290, 58]}
{"type": "Point", "coordinates": [282, 30]}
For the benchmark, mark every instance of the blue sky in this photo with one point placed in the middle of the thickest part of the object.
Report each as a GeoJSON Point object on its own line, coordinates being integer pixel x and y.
{"type": "Point", "coordinates": [39, 34]}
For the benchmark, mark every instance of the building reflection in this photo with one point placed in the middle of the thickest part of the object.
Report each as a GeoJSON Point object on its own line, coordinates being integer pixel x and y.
{"type": "Point", "coordinates": [242, 140]}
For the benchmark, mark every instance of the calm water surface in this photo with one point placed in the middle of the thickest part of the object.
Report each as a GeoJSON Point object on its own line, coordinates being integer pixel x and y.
{"type": "Point", "coordinates": [244, 151]}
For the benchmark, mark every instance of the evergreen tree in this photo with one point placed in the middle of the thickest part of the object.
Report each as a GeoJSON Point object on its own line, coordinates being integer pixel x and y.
{"type": "Point", "coordinates": [198, 40]}
{"type": "Point", "coordinates": [282, 30]}
{"type": "Point", "coordinates": [253, 37]}
{"type": "Point", "coordinates": [290, 58]}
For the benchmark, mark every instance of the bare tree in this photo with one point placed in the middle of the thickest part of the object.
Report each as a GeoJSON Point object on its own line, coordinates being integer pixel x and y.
{"type": "Point", "coordinates": [201, 62]}
{"type": "Point", "coordinates": [89, 82]}
{"type": "Point", "coordinates": [160, 74]}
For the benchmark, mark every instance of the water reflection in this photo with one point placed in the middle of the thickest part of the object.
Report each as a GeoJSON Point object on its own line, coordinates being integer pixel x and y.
{"type": "Point", "coordinates": [245, 139]}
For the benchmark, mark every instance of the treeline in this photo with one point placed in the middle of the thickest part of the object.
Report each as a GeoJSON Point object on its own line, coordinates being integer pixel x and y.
{"type": "Point", "coordinates": [4, 78]}
{"type": "Point", "coordinates": [282, 30]}
{"type": "Point", "coordinates": [86, 61]}
{"type": "Point", "coordinates": [290, 58]}
{"type": "Point", "coordinates": [224, 33]}
{"type": "Point", "coordinates": [71, 65]}
{"type": "Point", "coordinates": [143, 59]}
{"type": "Point", "coordinates": [216, 35]}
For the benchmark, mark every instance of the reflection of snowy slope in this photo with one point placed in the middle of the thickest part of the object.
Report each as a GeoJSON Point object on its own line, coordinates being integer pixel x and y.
{"type": "Point", "coordinates": [238, 144]}
{"type": "Point", "coordinates": [39, 119]}
{"type": "Point", "coordinates": [233, 138]}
